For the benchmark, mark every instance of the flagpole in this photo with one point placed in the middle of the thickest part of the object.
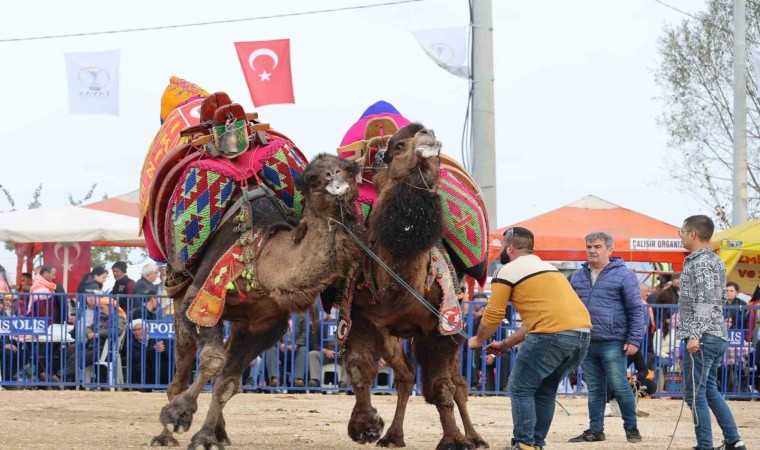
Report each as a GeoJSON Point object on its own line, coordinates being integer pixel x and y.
{"type": "Point", "coordinates": [482, 118]}
{"type": "Point", "coordinates": [739, 213]}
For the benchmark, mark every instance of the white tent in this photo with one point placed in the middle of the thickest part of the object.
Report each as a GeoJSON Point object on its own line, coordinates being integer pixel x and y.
{"type": "Point", "coordinates": [69, 224]}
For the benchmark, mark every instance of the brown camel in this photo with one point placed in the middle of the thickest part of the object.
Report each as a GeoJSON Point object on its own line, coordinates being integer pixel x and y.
{"type": "Point", "coordinates": [404, 225]}
{"type": "Point", "coordinates": [293, 267]}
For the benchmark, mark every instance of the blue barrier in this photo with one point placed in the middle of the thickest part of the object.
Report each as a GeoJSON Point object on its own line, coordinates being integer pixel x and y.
{"type": "Point", "coordinates": [97, 341]}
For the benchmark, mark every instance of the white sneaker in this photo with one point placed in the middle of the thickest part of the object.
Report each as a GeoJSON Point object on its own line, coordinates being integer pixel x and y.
{"type": "Point", "coordinates": [607, 410]}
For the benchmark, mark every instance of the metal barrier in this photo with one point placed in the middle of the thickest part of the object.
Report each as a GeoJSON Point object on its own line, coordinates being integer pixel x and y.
{"type": "Point", "coordinates": [97, 341]}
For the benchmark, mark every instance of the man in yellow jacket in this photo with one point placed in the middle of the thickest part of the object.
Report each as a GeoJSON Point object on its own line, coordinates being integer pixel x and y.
{"type": "Point", "coordinates": [555, 330]}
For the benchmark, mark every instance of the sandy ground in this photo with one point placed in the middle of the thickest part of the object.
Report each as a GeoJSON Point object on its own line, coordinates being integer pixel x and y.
{"type": "Point", "coordinates": [121, 420]}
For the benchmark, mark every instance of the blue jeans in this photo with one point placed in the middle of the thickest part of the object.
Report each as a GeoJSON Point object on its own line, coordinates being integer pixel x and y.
{"type": "Point", "coordinates": [705, 380]}
{"type": "Point", "coordinates": [606, 364]}
{"type": "Point", "coordinates": [540, 364]}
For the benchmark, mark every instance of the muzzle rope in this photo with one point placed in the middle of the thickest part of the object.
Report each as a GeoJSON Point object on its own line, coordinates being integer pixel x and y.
{"type": "Point", "coordinates": [396, 277]}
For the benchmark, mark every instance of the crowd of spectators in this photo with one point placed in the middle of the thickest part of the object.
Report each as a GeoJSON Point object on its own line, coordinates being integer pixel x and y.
{"type": "Point", "coordinates": [308, 346]}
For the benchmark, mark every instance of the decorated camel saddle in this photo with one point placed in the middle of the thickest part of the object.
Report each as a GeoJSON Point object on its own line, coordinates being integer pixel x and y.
{"type": "Point", "coordinates": [211, 162]}
{"type": "Point", "coordinates": [464, 249]}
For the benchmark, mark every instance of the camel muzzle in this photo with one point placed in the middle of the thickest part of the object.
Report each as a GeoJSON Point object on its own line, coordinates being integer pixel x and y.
{"type": "Point", "coordinates": [337, 186]}
{"type": "Point", "coordinates": [428, 150]}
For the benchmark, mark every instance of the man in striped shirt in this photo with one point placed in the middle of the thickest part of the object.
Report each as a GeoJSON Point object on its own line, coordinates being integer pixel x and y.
{"type": "Point", "coordinates": [555, 330]}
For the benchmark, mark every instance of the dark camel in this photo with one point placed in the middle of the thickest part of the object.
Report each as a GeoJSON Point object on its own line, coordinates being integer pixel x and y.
{"type": "Point", "coordinates": [405, 223]}
{"type": "Point", "coordinates": [294, 267]}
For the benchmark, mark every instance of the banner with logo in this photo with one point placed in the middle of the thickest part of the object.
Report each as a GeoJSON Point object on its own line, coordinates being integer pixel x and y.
{"type": "Point", "coordinates": [19, 326]}
{"type": "Point", "coordinates": [93, 79]}
{"type": "Point", "coordinates": [447, 47]}
{"type": "Point", "coordinates": [158, 329]}
{"type": "Point", "coordinates": [266, 67]}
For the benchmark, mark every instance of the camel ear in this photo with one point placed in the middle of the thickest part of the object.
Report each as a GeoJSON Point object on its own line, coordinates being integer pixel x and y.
{"type": "Point", "coordinates": [351, 167]}
{"type": "Point", "coordinates": [301, 184]}
{"type": "Point", "coordinates": [300, 232]}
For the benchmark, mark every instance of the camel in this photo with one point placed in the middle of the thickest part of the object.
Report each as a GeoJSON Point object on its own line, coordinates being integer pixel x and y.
{"type": "Point", "coordinates": [405, 223]}
{"type": "Point", "coordinates": [294, 265]}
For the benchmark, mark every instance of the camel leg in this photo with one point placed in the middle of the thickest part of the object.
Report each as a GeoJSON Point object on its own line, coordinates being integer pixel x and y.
{"type": "Point", "coordinates": [184, 355]}
{"type": "Point", "coordinates": [185, 348]}
{"type": "Point", "coordinates": [177, 416]}
{"type": "Point", "coordinates": [460, 398]}
{"type": "Point", "coordinates": [363, 350]}
{"type": "Point", "coordinates": [437, 356]}
{"type": "Point", "coordinates": [242, 347]}
{"type": "Point", "coordinates": [403, 374]}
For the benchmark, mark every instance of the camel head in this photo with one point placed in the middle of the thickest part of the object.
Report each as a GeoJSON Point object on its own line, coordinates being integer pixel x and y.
{"type": "Point", "coordinates": [413, 155]}
{"type": "Point", "coordinates": [329, 185]}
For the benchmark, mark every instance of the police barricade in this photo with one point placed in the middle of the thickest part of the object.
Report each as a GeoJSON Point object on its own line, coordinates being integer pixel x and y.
{"type": "Point", "coordinates": [127, 342]}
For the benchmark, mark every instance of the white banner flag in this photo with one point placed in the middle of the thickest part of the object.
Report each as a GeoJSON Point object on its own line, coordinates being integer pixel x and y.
{"type": "Point", "coordinates": [93, 82]}
{"type": "Point", "coordinates": [447, 47]}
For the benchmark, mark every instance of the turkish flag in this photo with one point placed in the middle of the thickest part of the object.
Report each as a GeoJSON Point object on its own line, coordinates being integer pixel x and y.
{"type": "Point", "coordinates": [266, 66]}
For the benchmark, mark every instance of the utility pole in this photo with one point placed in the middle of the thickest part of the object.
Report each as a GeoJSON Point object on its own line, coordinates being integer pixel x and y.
{"type": "Point", "coordinates": [739, 214]}
{"type": "Point", "coordinates": [482, 119]}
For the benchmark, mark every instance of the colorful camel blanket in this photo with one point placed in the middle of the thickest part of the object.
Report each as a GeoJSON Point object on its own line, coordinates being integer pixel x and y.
{"type": "Point", "coordinates": [440, 271]}
{"type": "Point", "coordinates": [466, 223]}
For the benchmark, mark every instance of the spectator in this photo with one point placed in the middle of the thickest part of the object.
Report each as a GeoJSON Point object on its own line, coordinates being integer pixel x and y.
{"type": "Point", "coordinates": [489, 368]}
{"type": "Point", "coordinates": [149, 360]}
{"type": "Point", "coordinates": [326, 352]}
{"type": "Point", "coordinates": [669, 295]}
{"type": "Point", "coordinates": [42, 302]}
{"type": "Point", "coordinates": [611, 293]}
{"type": "Point", "coordinates": [735, 310]}
{"type": "Point", "coordinates": [92, 282]}
{"type": "Point", "coordinates": [150, 308]}
{"type": "Point", "coordinates": [97, 334]}
{"type": "Point", "coordinates": [665, 343]}
{"type": "Point", "coordinates": [147, 283]}
{"type": "Point", "coordinates": [123, 285]}
{"type": "Point", "coordinates": [26, 283]}
{"type": "Point", "coordinates": [293, 343]}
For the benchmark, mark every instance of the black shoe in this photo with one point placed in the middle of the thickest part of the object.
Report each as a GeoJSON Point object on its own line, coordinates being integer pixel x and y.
{"type": "Point", "coordinates": [633, 435]}
{"type": "Point", "coordinates": [590, 436]}
{"type": "Point", "coordinates": [738, 445]}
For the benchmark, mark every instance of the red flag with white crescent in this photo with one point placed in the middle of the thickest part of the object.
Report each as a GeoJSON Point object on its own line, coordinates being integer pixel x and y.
{"type": "Point", "coordinates": [266, 66]}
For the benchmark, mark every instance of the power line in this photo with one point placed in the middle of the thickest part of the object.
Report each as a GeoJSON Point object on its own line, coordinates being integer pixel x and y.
{"type": "Point", "coordinates": [678, 10]}
{"type": "Point", "coordinates": [198, 24]}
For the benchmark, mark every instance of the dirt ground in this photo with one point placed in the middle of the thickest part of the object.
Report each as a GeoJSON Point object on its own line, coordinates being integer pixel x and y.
{"type": "Point", "coordinates": [128, 420]}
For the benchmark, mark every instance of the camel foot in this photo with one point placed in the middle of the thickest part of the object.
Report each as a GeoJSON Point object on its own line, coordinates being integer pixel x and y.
{"type": "Point", "coordinates": [477, 441]}
{"type": "Point", "coordinates": [365, 427]}
{"type": "Point", "coordinates": [205, 440]}
{"type": "Point", "coordinates": [177, 416]}
{"type": "Point", "coordinates": [392, 440]}
{"type": "Point", "coordinates": [221, 436]}
{"type": "Point", "coordinates": [164, 439]}
{"type": "Point", "coordinates": [458, 443]}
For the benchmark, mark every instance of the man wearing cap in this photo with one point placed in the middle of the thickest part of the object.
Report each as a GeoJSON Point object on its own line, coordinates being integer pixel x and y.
{"type": "Point", "coordinates": [611, 293]}
{"type": "Point", "coordinates": [555, 333]}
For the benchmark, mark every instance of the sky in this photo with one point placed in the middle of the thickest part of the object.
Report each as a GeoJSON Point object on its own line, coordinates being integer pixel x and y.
{"type": "Point", "coordinates": [575, 97]}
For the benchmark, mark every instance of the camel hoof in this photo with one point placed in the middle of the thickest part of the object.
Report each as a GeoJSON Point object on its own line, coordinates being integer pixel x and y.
{"type": "Point", "coordinates": [391, 442]}
{"type": "Point", "coordinates": [205, 441]}
{"type": "Point", "coordinates": [221, 436]}
{"type": "Point", "coordinates": [178, 415]}
{"type": "Point", "coordinates": [478, 442]}
{"type": "Point", "coordinates": [455, 446]}
{"type": "Point", "coordinates": [164, 441]}
{"type": "Point", "coordinates": [365, 427]}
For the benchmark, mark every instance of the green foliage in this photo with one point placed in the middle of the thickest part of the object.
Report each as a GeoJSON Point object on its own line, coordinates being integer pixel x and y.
{"type": "Point", "coordinates": [86, 197]}
{"type": "Point", "coordinates": [696, 80]}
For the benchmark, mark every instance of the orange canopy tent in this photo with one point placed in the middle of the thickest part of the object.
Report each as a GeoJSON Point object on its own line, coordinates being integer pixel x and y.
{"type": "Point", "coordinates": [559, 233]}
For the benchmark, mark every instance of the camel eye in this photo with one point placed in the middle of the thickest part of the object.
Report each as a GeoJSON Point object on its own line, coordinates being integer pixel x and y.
{"type": "Point", "coordinates": [312, 179]}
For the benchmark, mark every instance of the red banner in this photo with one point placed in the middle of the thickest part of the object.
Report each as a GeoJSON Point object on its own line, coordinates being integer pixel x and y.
{"type": "Point", "coordinates": [75, 257]}
{"type": "Point", "coordinates": [266, 66]}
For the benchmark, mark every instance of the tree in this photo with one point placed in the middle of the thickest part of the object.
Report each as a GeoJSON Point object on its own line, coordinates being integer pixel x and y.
{"type": "Point", "coordinates": [696, 78]}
